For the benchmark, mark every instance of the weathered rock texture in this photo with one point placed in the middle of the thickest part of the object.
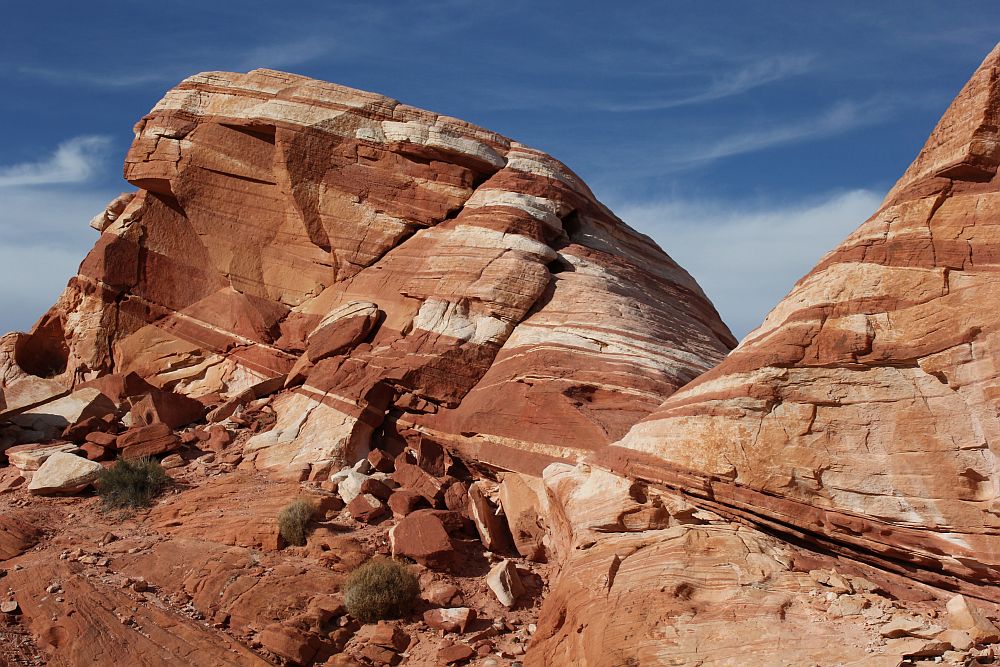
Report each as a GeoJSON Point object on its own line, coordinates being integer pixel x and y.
{"type": "Point", "coordinates": [411, 275]}
{"type": "Point", "coordinates": [859, 421]}
{"type": "Point", "coordinates": [864, 409]}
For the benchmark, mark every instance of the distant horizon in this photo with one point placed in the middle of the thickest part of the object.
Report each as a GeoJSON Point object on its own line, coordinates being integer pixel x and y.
{"type": "Point", "coordinates": [746, 145]}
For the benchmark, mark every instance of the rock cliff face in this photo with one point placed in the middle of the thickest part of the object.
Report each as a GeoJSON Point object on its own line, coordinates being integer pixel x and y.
{"type": "Point", "coordinates": [412, 275]}
{"type": "Point", "coordinates": [860, 419]}
{"type": "Point", "coordinates": [865, 407]}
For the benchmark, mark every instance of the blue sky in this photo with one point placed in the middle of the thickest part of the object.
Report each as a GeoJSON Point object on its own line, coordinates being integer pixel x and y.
{"type": "Point", "coordinates": [746, 138]}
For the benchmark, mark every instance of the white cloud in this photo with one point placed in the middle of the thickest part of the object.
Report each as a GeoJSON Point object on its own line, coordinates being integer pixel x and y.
{"type": "Point", "coordinates": [44, 235]}
{"type": "Point", "coordinates": [842, 117]}
{"type": "Point", "coordinates": [746, 256]}
{"type": "Point", "coordinates": [74, 161]}
{"type": "Point", "coordinates": [745, 79]}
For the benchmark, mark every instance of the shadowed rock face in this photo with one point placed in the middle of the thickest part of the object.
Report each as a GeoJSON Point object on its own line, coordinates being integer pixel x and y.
{"type": "Point", "coordinates": [407, 275]}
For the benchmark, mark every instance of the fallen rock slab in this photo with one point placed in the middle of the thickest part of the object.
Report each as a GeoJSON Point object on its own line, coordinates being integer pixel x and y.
{"type": "Point", "coordinates": [455, 619]}
{"type": "Point", "coordinates": [491, 526]}
{"type": "Point", "coordinates": [964, 615]}
{"type": "Point", "coordinates": [422, 536]}
{"type": "Point", "coordinates": [32, 456]}
{"type": "Point", "coordinates": [505, 583]}
{"type": "Point", "coordinates": [63, 473]}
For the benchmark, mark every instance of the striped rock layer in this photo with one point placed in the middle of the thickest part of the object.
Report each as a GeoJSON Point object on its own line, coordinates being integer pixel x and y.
{"type": "Point", "coordinates": [863, 412]}
{"type": "Point", "coordinates": [404, 275]}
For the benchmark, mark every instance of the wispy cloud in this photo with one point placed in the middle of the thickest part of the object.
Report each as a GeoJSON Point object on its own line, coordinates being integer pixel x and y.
{"type": "Point", "coordinates": [276, 55]}
{"type": "Point", "coordinates": [842, 117]}
{"type": "Point", "coordinates": [742, 80]}
{"type": "Point", "coordinates": [74, 161]}
{"type": "Point", "coordinates": [747, 255]}
{"type": "Point", "coordinates": [286, 54]}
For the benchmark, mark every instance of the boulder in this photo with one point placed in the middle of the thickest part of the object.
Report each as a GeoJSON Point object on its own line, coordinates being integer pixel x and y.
{"type": "Point", "coordinates": [53, 417]}
{"type": "Point", "coordinates": [505, 582]}
{"type": "Point", "coordinates": [456, 498]}
{"type": "Point", "coordinates": [376, 488]}
{"type": "Point", "coordinates": [142, 441]}
{"type": "Point", "coordinates": [165, 407]}
{"type": "Point", "coordinates": [405, 501]}
{"type": "Point", "coordinates": [422, 536]}
{"type": "Point", "coordinates": [450, 654]}
{"type": "Point", "coordinates": [367, 508]}
{"type": "Point", "coordinates": [341, 330]}
{"type": "Point", "coordinates": [101, 438]}
{"type": "Point", "coordinates": [289, 642]}
{"type": "Point", "coordinates": [441, 594]}
{"type": "Point", "coordinates": [455, 619]}
{"type": "Point", "coordinates": [411, 476]}
{"type": "Point", "coordinates": [32, 456]}
{"type": "Point", "coordinates": [522, 500]}
{"type": "Point", "coordinates": [79, 431]}
{"type": "Point", "coordinates": [381, 462]}
{"type": "Point", "coordinates": [62, 474]}
{"type": "Point", "coordinates": [964, 615]}
{"type": "Point", "coordinates": [94, 452]}
{"type": "Point", "coordinates": [349, 483]}
{"type": "Point", "coordinates": [490, 524]}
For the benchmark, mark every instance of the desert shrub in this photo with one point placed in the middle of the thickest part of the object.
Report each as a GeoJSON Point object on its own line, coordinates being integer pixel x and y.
{"type": "Point", "coordinates": [130, 484]}
{"type": "Point", "coordinates": [293, 521]}
{"type": "Point", "coordinates": [380, 589]}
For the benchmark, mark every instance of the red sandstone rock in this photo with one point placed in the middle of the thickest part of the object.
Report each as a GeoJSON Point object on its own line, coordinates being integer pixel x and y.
{"type": "Point", "coordinates": [376, 488]}
{"type": "Point", "coordinates": [389, 636]}
{"type": "Point", "coordinates": [521, 498]}
{"type": "Point", "coordinates": [289, 643]}
{"type": "Point", "coordinates": [165, 407]}
{"type": "Point", "coordinates": [490, 524]}
{"type": "Point", "coordinates": [367, 508]}
{"type": "Point", "coordinates": [456, 498]}
{"type": "Point", "coordinates": [412, 477]}
{"type": "Point", "coordinates": [422, 536]}
{"type": "Point", "coordinates": [405, 501]}
{"type": "Point", "coordinates": [141, 441]}
{"type": "Point", "coordinates": [94, 452]}
{"type": "Point", "coordinates": [102, 439]}
{"type": "Point", "coordinates": [382, 255]}
{"type": "Point", "coordinates": [455, 619]}
{"type": "Point", "coordinates": [455, 653]}
{"type": "Point", "coordinates": [442, 594]}
{"type": "Point", "coordinates": [380, 461]}
{"type": "Point", "coordinates": [218, 438]}
{"type": "Point", "coordinates": [79, 431]}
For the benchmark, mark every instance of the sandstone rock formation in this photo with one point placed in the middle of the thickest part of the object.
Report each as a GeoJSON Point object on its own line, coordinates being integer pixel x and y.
{"type": "Point", "coordinates": [442, 341]}
{"type": "Point", "coordinates": [859, 420]}
{"type": "Point", "coordinates": [864, 409]}
{"type": "Point", "coordinates": [414, 275]}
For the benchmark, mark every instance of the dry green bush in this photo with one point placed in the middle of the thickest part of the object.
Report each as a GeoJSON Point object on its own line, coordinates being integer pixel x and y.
{"type": "Point", "coordinates": [380, 589]}
{"type": "Point", "coordinates": [293, 521]}
{"type": "Point", "coordinates": [130, 484]}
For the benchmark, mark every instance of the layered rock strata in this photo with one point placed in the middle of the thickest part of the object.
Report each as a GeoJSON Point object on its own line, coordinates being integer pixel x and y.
{"type": "Point", "coordinates": [864, 409]}
{"type": "Point", "coordinates": [406, 274]}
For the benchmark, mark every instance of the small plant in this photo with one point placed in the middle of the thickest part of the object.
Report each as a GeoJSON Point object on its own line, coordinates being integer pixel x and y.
{"type": "Point", "coordinates": [131, 484]}
{"type": "Point", "coordinates": [380, 589]}
{"type": "Point", "coordinates": [293, 521]}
